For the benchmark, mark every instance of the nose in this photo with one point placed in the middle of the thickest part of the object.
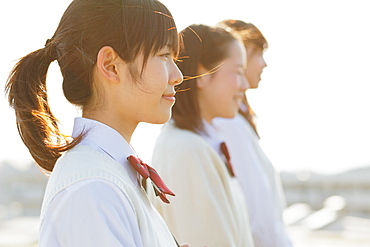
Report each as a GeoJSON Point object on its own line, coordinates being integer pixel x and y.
{"type": "Point", "coordinates": [264, 63]}
{"type": "Point", "coordinates": [176, 77]}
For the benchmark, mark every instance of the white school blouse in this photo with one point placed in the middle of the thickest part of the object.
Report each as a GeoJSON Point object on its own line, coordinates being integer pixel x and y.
{"type": "Point", "coordinates": [93, 197]}
{"type": "Point", "coordinates": [209, 208]}
{"type": "Point", "coordinates": [260, 183]}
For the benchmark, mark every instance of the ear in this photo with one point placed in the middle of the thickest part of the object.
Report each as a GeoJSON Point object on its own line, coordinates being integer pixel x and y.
{"type": "Point", "coordinates": [204, 77]}
{"type": "Point", "coordinates": [107, 63]}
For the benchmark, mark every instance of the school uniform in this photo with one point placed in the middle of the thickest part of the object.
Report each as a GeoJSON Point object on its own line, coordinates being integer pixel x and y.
{"type": "Point", "coordinates": [94, 198]}
{"type": "Point", "coordinates": [260, 183]}
{"type": "Point", "coordinates": [209, 208]}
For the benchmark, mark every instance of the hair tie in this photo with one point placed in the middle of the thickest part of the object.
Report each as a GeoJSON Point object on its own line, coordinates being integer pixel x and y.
{"type": "Point", "coordinates": [48, 42]}
{"type": "Point", "coordinates": [52, 46]}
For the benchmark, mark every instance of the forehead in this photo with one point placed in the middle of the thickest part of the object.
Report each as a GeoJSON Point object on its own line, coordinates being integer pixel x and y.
{"type": "Point", "coordinates": [253, 50]}
{"type": "Point", "coordinates": [236, 54]}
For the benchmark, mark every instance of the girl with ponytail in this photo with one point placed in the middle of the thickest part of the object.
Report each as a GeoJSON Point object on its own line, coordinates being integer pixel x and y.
{"type": "Point", "coordinates": [117, 62]}
{"type": "Point", "coordinates": [188, 153]}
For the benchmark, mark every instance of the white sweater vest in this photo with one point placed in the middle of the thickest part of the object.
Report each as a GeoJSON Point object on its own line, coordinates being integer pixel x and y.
{"type": "Point", "coordinates": [83, 162]}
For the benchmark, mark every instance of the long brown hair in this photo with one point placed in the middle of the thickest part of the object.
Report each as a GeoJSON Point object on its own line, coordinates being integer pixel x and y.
{"type": "Point", "coordinates": [202, 45]}
{"type": "Point", "coordinates": [254, 39]}
{"type": "Point", "coordinates": [130, 27]}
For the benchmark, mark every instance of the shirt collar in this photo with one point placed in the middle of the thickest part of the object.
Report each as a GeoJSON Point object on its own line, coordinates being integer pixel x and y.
{"type": "Point", "coordinates": [243, 108]}
{"type": "Point", "coordinates": [212, 137]}
{"type": "Point", "coordinates": [106, 140]}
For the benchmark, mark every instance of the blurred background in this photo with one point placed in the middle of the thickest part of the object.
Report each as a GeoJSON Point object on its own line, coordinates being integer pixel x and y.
{"type": "Point", "coordinates": [312, 107]}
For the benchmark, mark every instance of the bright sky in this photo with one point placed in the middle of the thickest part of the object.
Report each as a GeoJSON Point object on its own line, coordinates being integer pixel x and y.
{"type": "Point", "coordinates": [313, 99]}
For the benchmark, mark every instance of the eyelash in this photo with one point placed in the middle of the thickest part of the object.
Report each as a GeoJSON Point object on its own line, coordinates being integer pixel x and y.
{"type": "Point", "coordinates": [167, 55]}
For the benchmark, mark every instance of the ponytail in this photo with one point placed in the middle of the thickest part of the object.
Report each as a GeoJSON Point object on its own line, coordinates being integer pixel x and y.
{"type": "Point", "coordinates": [37, 126]}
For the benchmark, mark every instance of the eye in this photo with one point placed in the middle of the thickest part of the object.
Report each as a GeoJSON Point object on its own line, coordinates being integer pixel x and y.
{"type": "Point", "coordinates": [166, 55]}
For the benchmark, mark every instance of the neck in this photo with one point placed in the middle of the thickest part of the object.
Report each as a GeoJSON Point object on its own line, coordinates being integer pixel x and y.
{"type": "Point", "coordinates": [206, 117]}
{"type": "Point", "coordinates": [205, 110]}
{"type": "Point", "coordinates": [122, 126]}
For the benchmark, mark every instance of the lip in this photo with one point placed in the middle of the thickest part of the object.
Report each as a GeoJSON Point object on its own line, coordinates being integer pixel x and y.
{"type": "Point", "coordinates": [170, 97]}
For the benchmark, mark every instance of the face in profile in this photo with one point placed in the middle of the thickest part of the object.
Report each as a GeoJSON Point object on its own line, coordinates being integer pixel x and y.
{"type": "Point", "coordinates": [255, 66]}
{"type": "Point", "coordinates": [220, 94]}
{"type": "Point", "coordinates": [151, 98]}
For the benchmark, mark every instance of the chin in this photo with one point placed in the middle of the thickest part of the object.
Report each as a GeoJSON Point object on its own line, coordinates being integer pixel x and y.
{"type": "Point", "coordinates": [230, 114]}
{"type": "Point", "coordinates": [160, 119]}
{"type": "Point", "coordinates": [254, 85]}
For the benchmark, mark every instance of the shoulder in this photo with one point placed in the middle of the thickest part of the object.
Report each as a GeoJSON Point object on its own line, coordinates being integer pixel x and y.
{"type": "Point", "coordinates": [91, 202]}
{"type": "Point", "coordinates": [84, 156]}
{"type": "Point", "coordinates": [236, 128]}
{"type": "Point", "coordinates": [95, 191]}
{"type": "Point", "coordinates": [86, 160]}
{"type": "Point", "coordinates": [229, 123]}
{"type": "Point", "coordinates": [174, 138]}
{"type": "Point", "coordinates": [81, 163]}
{"type": "Point", "coordinates": [178, 147]}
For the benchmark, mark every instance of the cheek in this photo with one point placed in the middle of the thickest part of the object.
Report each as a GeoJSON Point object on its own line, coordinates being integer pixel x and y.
{"type": "Point", "coordinates": [251, 70]}
{"type": "Point", "coordinates": [225, 86]}
{"type": "Point", "coordinates": [235, 82]}
{"type": "Point", "coordinates": [253, 62]}
{"type": "Point", "coordinates": [156, 83]}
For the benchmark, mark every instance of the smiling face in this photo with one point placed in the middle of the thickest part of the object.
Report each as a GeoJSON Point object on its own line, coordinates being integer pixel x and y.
{"type": "Point", "coordinates": [220, 94]}
{"type": "Point", "coordinates": [122, 100]}
{"type": "Point", "coordinates": [255, 65]}
{"type": "Point", "coordinates": [151, 98]}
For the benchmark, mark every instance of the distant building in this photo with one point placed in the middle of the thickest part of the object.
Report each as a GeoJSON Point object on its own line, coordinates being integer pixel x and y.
{"type": "Point", "coordinates": [21, 190]}
{"type": "Point", "coordinates": [313, 189]}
